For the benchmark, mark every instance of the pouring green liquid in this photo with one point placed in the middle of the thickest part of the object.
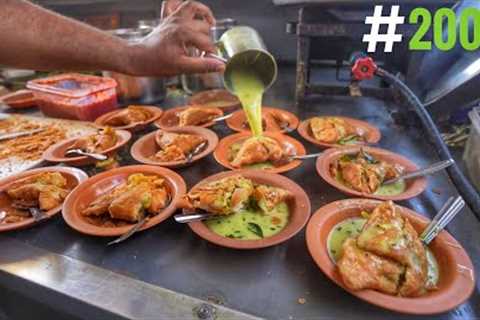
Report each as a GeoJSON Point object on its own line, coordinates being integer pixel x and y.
{"type": "Point", "coordinates": [249, 89]}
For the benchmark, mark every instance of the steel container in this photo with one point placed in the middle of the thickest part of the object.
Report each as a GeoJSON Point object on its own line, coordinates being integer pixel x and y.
{"type": "Point", "coordinates": [243, 48]}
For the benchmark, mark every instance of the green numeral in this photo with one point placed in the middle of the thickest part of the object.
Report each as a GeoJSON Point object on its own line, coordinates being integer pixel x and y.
{"type": "Point", "coordinates": [467, 15]}
{"type": "Point", "coordinates": [416, 43]}
{"type": "Point", "coordinates": [438, 38]}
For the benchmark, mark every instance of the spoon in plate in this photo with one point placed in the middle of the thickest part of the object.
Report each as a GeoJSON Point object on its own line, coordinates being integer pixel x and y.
{"type": "Point", "coordinates": [131, 231]}
{"type": "Point", "coordinates": [80, 152]}
{"type": "Point", "coordinates": [192, 217]}
{"type": "Point", "coordinates": [196, 151]}
{"type": "Point", "coordinates": [35, 212]}
{"type": "Point", "coordinates": [438, 166]}
{"type": "Point", "coordinates": [446, 214]}
{"type": "Point", "coordinates": [136, 227]}
{"type": "Point", "coordinates": [225, 117]}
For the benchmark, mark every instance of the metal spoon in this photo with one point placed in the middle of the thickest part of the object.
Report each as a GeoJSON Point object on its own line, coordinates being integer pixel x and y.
{"type": "Point", "coordinates": [195, 151]}
{"type": "Point", "coordinates": [423, 172]}
{"type": "Point", "coordinates": [80, 152]}
{"type": "Point", "coordinates": [306, 156]}
{"type": "Point", "coordinates": [446, 214]}
{"type": "Point", "coordinates": [35, 212]}
{"type": "Point", "coordinates": [130, 232]}
{"type": "Point", "coordinates": [192, 217]}
{"type": "Point", "coordinates": [286, 127]}
{"type": "Point", "coordinates": [135, 228]}
{"type": "Point", "coordinates": [225, 117]}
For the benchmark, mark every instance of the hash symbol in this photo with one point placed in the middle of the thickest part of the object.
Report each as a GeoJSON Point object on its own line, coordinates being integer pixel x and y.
{"type": "Point", "coordinates": [376, 21]}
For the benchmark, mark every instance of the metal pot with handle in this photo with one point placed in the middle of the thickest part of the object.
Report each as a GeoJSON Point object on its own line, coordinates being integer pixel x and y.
{"type": "Point", "coordinates": [242, 48]}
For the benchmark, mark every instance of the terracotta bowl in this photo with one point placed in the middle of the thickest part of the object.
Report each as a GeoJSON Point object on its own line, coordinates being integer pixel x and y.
{"type": "Point", "coordinates": [147, 146]}
{"type": "Point", "coordinates": [455, 284]}
{"type": "Point", "coordinates": [102, 183]}
{"type": "Point", "coordinates": [372, 133]}
{"type": "Point", "coordinates": [299, 211]}
{"type": "Point", "coordinates": [74, 177]}
{"type": "Point", "coordinates": [155, 113]}
{"type": "Point", "coordinates": [56, 153]}
{"type": "Point", "coordinates": [413, 186]}
{"type": "Point", "coordinates": [217, 98]}
{"type": "Point", "coordinates": [222, 152]}
{"type": "Point", "coordinates": [21, 99]}
{"type": "Point", "coordinates": [238, 121]}
{"type": "Point", "coordinates": [170, 119]}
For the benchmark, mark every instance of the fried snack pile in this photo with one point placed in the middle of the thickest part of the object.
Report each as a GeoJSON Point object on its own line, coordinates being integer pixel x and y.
{"type": "Point", "coordinates": [30, 147]}
{"type": "Point", "coordinates": [194, 116]}
{"type": "Point", "coordinates": [334, 130]}
{"type": "Point", "coordinates": [258, 150]}
{"type": "Point", "coordinates": [130, 115]}
{"type": "Point", "coordinates": [101, 141]}
{"type": "Point", "coordinates": [45, 190]}
{"type": "Point", "coordinates": [231, 194]}
{"type": "Point", "coordinates": [130, 200]}
{"type": "Point", "coordinates": [362, 172]}
{"type": "Point", "coordinates": [387, 256]}
{"type": "Point", "coordinates": [176, 147]}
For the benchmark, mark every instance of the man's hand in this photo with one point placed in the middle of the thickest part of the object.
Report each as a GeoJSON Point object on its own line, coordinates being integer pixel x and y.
{"type": "Point", "coordinates": [164, 52]}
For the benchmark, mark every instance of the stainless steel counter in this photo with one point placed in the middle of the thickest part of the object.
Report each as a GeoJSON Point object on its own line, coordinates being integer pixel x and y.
{"type": "Point", "coordinates": [168, 272]}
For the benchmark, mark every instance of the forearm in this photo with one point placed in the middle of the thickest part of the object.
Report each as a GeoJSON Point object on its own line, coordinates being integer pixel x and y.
{"type": "Point", "coordinates": [38, 39]}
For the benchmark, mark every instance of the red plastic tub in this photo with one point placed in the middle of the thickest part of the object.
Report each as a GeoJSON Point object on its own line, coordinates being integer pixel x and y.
{"type": "Point", "coordinates": [75, 96]}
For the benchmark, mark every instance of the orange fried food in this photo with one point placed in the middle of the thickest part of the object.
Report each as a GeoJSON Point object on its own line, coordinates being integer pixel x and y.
{"type": "Point", "coordinates": [103, 140]}
{"type": "Point", "coordinates": [388, 234]}
{"type": "Point", "coordinates": [176, 147]}
{"type": "Point", "coordinates": [131, 200]}
{"type": "Point", "coordinates": [387, 256]}
{"type": "Point", "coordinates": [361, 269]}
{"type": "Point", "coordinates": [332, 129]}
{"type": "Point", "coordinates": [129, 206]}
{"type": "Point", "coordinates": [269, 197]}
{"type": "Point", "coordinates": [363, 173]}
{"type": "Point", "coordinates": [258, 150]}
{"type": "Point", "coordinates": [223, 197]}
{"type": "Point", "coordinates": [132, 114]}
{"type": "Point", "coordinates": [45, 190]}
{"type": "Point", "coordinates": [100, 205]}
{"type": "Point", "coordinates": [31, 147]}
{"type": "Point", "coordinates": [194, 116]}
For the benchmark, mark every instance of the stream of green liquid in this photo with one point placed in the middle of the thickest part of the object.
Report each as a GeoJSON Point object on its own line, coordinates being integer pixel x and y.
{"type": "Point", "coordinates": [249, 90]}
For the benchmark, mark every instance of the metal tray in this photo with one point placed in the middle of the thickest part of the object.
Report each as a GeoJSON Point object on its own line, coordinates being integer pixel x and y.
{"type": "Point", "coordinates": [169, 273]}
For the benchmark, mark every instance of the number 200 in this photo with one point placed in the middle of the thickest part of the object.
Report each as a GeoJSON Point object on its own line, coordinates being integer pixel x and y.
{"type": "Point", "coordinates": [448, 15]}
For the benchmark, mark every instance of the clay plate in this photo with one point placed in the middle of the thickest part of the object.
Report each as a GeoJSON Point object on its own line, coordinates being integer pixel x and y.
{"type": "Point", "coordinates": [20, 99]}
{"type": "Point", "coordinates": [217, 98]}
{"type": "Point", "coordinates": [56, 153]}
{"type": "Point", "coordinates": [170, 119]}
{"type": "Point", "coordinates": [155, 113]}
{"type": "Point", "coordinates": [413, 186]}
{"type": "Point", "coordinates": [222, 152]}
{"type": "Point", "coordinates": [372, 133]}
{"type": "Point", "coordinates": [146, 146]}
{"type": "Point", "coordinates": [238, 121]}
{"type": "Point", "coordinates": [455, 284]}
{"type": "Point", "coordinates": [299, 211]}
{"type": "Point", "coordinates": [74, 177]}
{"type": "Point", "coordinates": [102, 183]}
